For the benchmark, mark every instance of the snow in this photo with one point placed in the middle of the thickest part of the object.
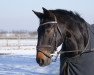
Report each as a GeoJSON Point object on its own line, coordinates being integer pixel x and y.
{"type": "Point", "coordinates": [25, 65]}
{"type": "Point", "coordinates": [21, 60]}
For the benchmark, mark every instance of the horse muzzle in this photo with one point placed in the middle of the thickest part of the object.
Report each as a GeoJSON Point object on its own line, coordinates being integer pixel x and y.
{"type": "Point", "coordinates": [43, 59]}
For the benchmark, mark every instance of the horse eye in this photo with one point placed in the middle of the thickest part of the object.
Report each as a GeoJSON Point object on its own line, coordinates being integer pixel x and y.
{"type": "Point", "coordinates": [48, 30]}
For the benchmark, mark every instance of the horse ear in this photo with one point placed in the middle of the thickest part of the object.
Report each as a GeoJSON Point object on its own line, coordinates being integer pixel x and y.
{"type": "Point", "coordinates": [38, 14]}
{"type": "Point", "coordinates": [47, 12]}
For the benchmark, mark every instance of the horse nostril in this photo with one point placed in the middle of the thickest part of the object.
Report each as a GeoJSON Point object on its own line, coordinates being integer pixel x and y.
{"type": "Point", "coordinates": [40, 61]}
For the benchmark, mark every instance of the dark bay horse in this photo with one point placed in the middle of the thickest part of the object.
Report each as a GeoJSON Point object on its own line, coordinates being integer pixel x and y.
{"type": "Point", "coordinates": [76, 36]}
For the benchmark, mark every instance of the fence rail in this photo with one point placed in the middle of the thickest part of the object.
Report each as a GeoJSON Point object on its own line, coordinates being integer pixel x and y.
{"type": "Point", "coordinates": [16, 44]}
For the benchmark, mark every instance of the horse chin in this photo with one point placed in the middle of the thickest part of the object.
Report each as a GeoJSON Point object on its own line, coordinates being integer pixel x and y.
{"type": "Point", "coordinates": [46, 63]}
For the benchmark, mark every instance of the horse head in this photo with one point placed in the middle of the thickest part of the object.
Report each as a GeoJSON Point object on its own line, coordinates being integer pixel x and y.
{"type": "Point", "coordinates": [59, 27]}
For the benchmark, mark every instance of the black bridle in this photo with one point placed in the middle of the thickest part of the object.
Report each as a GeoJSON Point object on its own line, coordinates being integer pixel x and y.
{"type": "Point", "coordinates": [54, 36]}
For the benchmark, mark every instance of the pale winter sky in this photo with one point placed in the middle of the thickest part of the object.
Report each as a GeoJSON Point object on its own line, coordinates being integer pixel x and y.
{"type": "Point", "coordinates": [18, 15]}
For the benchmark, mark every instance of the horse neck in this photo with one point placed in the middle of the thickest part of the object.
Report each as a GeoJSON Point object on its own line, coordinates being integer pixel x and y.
{"type": "Point", "coordinates": [75, 43]}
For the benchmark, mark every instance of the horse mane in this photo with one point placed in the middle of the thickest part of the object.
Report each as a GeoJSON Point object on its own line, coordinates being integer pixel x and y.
{"type": "Point", "coordinates": [73, 16]}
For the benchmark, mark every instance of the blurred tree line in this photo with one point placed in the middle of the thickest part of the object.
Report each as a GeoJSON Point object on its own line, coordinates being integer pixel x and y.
{"type": "Point", "coordinates": [22, 34]}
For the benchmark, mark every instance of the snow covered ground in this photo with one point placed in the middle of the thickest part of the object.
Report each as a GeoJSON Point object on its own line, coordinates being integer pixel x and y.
{"type": "Point", "coordinates": [20, 60]}
{"type": "Point", "coordinates": [25, 65]}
